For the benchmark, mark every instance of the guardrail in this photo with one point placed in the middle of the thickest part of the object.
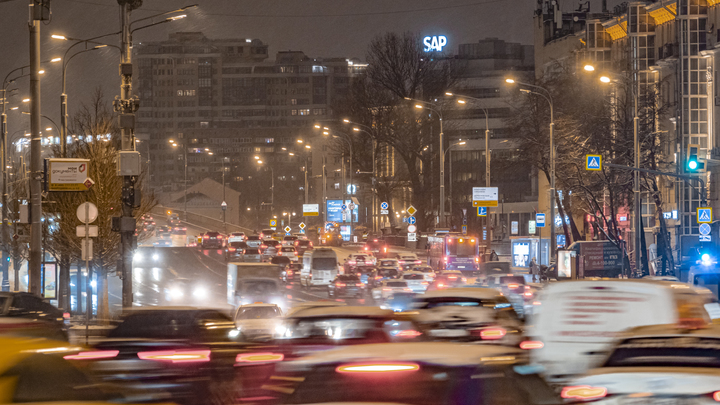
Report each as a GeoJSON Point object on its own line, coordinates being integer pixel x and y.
{"type": "Point", "coordinates": [202, 221]}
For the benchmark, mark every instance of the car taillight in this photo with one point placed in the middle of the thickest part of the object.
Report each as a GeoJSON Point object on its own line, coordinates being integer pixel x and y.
{"type": "Point", "coordinates": [176, 356]}
{"type": "Point", "coordinates": [418, 261]}
{"type": "Point", "coordinates": [409, 333]}
{"type": "Point", "coordinates": [528, 294]}
{"type": "Point", "coordinates": [359, 285]}
{"type": "Point", "coordinates": [340, 284]}
{"type": "Point", "coordinates": [716, 396]}
{"type": "Point", "coordinates": [441, 285]}
{"type": "Point", "coordinates": [94, 355]}
{"type": "Point", "coordinates": [377, 368]}
{"type": "Point", "coordinates": [366, 248]}
{"type": "Point", "coordinates": [513, 286]}
{"type": "Point", "coordinates": [359, 274]}
{"type": "Point", "coordinates": [531, 344]}
{"type": "Point", "coordinates": [583, 392]}
{"type": "Point", "coordinates": [259, 357]}
{"type": "Point", "coordinates": [289, 272]}
{"type": "Point", "coordinates": [206, 237]}
{"type": "Point", "coordinates": [232, 249]}
{"type": "Point", "coordinates": [477, 259]}
{"type": "Point", "coordinates": [385, 250]}
{"type": "Point", "coordinates": [424, 283]}
{"type": "Point", "coordinates": [492, 333]}
{"type": "Point", "coordinates": [387, 289]}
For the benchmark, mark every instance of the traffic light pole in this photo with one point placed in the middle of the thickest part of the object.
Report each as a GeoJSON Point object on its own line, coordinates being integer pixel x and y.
{"type": "Point", "coordinates": [688, 177]}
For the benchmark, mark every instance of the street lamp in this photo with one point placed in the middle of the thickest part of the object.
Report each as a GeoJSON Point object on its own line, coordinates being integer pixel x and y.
{"type": "Point", "coordinates": [548, 97]}
{"type": "Point", "coordinates": [430, 106]}
{"type": "Point", "coordinates": [366, 129]}
{"type": "Point", "coordinates": [461, 143]}
{"type": "Point", "coordinates": [636, 172]}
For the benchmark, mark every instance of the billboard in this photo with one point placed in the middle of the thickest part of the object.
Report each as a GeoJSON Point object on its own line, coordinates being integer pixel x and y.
{"type": "Point", "coordinates": [67, 174]}
{"type": "Point", "coordinates": [335, 213]}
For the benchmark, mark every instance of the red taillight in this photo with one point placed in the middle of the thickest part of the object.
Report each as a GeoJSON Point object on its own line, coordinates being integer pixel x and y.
{"type": "Point", "coordinates": [531, 344]}
{"type": "Point", "coordinates": [424, 283]}
{"type": "Point", "coordinates": [377, 368]}
{"type": "Point", "coordinates": [583, 392]}
{"type": "Point", "coordinates": [66, 315]}
{"type": "Point", "coordinates": [98, 354]}
{"type": "Point", "coordinates": [232, 249]}
{"type": "Point", "coordinates": [492, 333]}
{"type": "Point", "coordinates": [176, 356]}
{"type": "Point", "coordinates": [359, 284]}
{"type": "Point", "coordinates": [409, 333]}
{"type": "Point", "coordinates": [513, 286]}
{"type": "Point", "coordinates": [477, 259]}
{"type": "Point", "coordinates": [259, 357]}
{"type": "Point", "coordinates": [528, 294]}
{"type": "Point", "coordinates": [206, 237]}
{"type": "Point", "coordinates": [716, 396]}
{"type": "Point", "coordinates": [340, 284]}
{"type": "Point", "coordinates": [366, 248]}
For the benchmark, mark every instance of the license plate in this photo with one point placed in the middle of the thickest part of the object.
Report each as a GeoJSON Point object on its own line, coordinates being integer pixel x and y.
{"type": "Point", "coordinates": [449, 332]}
{"type": "Point", "coordinates": [461, 267]}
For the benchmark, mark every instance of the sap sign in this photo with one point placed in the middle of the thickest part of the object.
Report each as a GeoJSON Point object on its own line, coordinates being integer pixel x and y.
{"type": "Point", "coordinates": [434, 44]}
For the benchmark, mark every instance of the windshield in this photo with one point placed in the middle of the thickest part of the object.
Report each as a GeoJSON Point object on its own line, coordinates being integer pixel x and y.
{"type": "Point", "coordinates": [666, 352]}
{"type": "Point", "coordinates": [429, 303]}
{"type": "Point", "coordinates": [397, 284]}
{"type": "Point", "coordinates": [464, 249]}
{"type": "Point", "coordinates": [348, 278]}
{"type": "Point", "coordinates": [324, 263]}
{"type": "Point", "coordinates": [388, 263]}
{"type": "Point", "coordinates": [258, 313]}
{"type": "Point", "coordinates": [413, 277]}
{"type": "Point", "coordinates": [303, 243]}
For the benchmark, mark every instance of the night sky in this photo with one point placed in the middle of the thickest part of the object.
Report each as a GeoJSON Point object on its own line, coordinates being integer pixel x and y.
{"type": "Point", "coordinates": [320, 28]}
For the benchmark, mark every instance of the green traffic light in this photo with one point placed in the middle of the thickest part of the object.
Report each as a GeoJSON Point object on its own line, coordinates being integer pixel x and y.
{"type": "Point", "coordinates": [693, 165]}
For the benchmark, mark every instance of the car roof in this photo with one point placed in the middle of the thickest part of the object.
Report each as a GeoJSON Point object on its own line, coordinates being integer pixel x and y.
{"type": "Point", "coordinates": [438, 353]}
{"type": "Point", "coordinates": [258, 305]}
{"type": "Point", "coordinates": [477, 292]}
{"type": "Point", "coordinates": [673, 286]}
{"type": "Point", "coordinates": [342, 311]}
{"type": "Point", "coordinates": [672, 330]}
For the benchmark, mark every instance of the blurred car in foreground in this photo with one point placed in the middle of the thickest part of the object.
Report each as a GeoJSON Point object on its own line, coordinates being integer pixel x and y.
{"type": "Point", "coordinates": [26, 314]}
{"type": "Point", "coordinates": [324, 327]}
{"type": "Point", "coordinates": [429, 373]}
{"type": "Point", "coordinates": [43, 371]}
{"type": "Point", "coordinates": [258, 321]}
{"type": "Point", "coordinates": [346, 285]}
{"type": "Point", "coordinates": [662, 364]}
{"type": "Point", "coordinates": [185, 355]}
{"type": "Point", "coordinates": [468, 314]}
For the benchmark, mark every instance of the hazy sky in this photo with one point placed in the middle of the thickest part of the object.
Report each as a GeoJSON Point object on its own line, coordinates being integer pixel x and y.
{"type": "Point", "coordinates": [320, 28]}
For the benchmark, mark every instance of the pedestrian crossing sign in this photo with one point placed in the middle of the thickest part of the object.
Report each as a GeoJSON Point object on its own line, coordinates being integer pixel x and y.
{"type": "Point", "coordinates": [704, 215]}
{"type": "Point", "coordinates": [593, 162]}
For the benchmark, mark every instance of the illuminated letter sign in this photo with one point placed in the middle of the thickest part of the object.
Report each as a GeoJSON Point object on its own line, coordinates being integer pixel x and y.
{"type": "Point", "coordinates": [435, 43]}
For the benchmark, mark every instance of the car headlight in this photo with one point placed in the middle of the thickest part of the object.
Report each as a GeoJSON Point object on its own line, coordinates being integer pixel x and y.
{"type": "Point", "coordinates": [176, 293]}
{"type": "Point", "coordinates": [137, 257]}
{"type": "Point", "coordinates": [156, 257]}
{"type": "Point", "coordinates": [234, 333]}
{"type": "Point", "coordinates": [200, 292]}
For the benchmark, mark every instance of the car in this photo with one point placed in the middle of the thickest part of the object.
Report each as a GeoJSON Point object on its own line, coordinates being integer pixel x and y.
{"type": "Point", "coordinates": [42, 371]}
{"type": "Point", "coordinates": [163, 232]}
{"type": "Point", "coordinates": [416, 281]}
{"type": "Point", "coordinates": [26, 314]}
{"type": "Point", "coordinates": [252, 255]}
{"type": "Point", "coordinates": [234, 250]}
{"type": "Point", "coordinates": [173, 220]}
{"type": "Point", "coordinates": [414, 373]}
{"type": "Point", "coordinates": [212, 240]}
{"type": "Point", "coordinates": [289, 240]}
{"type": "Point", "coordinates": [663, 364]}
{"type": "Point", "coordinates": [303, 245]}
{"type": "Point", "coordinates": [148, 225]}
{"type": "Point", "coordinates": [427, 271]}
{"type": "Point", "coordinates": [408, 260]}
{"type": "Point", "coordinates": [288, 251]}
{"type": "Point", "coordinates": [253, 241]}
{"type": "Point", "coordinates": [357, 259]}
{"type": "Point", "coordinates": [346, 285]}
{"type": "Point", "coordinates": [283, 261]}
{"type": "Point", "coordinates": [269, 248]}
{"type": "Point", "coordinates": [448, 279]}
{"type": "Point", "coordinates": [388, 264]}
{"type": "Point", "coordinates": [313, 304]}
{"type": "Point", "coordinates": [185, 355]}
{"type": "Point", "coordinates": [514, 287]}
{"type": "Point", "coordinates": [266, 234]}
{"type": "Point", "coordinates": [331, 239]}
{"type": "Point", "coordinates": [293, 270]}
{"type": "Point", "coordinates": [377, 247]}
{"type": "Point", "coordinates": [183, 291]}
{"type": "Point", "coordinates": [236, 237]}
{"type": "Point", "coordinates": [258, 321]}
{"type": "Point", "coordinates": [367, 274]}
{"type": "Point", "coordinates": [468, 314]}
{"type": "Point", "coordinates": [387, 288]}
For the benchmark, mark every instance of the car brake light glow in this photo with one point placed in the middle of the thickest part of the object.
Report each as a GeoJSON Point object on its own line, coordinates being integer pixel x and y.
{"type": "Point", "coordinates": [259, 357]}
{"type": "Point", "coordinates": [528, 294]}
{"type": "Point", "coordinates": [98, 354]}
{"type": "Point", "coordinates": [513, 286]}
{"type": "Point", "coordinates": [289, 272]}
{"type": "Point", "coordinates": [441, 285]}
{"type": "Point", "coordinates": [409, 333]}
{"type": "Point", "coordinates": [716, 396]}
{"type": "Point", "coordinates": [424, 283]}
{"type": "Point", "coordinates": [583, 392]}
{"type": "Point", "coordinates": [531, 344]}
{"type": "Point", "coordinates": [359, 284]}
{"type": "Point", "coordinates": [477, 259]}
{"type": "Point", "coordinates": [377, 368]}
{"type": "Point", "coordinates": [387, 289]}
{"type": "Point", "coordinates": [340, 284]}
{"type": "Point", "coordinates": [492, 333]}
{"type": "Point", "coordinates": [176, 356]}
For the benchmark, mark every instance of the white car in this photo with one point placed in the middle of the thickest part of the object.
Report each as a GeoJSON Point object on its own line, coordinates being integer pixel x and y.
{"type": "Point", "coordinates": [288, 251]}
{"type": "Point", "coordinates": [660, 364]}
{"type": "Point", "coordinates": [389, 287]}
{"type": "Point", "coordinates": [408, 259]}
{"type": "Point", "coordinates": [359, 259]}
{"type": "Point", "coordinates": [259, 321]}
{"type": "Point", "coordinates": [427, 272]}
{"type": "Point", "coordinates": [416, 281]}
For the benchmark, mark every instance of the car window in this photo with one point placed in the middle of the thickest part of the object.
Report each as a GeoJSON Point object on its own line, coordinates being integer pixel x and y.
{"type": "Point", "coordinates": [155, 325]}
{"type": "Point", "coordinates": [258, 313]}
{"type": "Point", "coordinates": [387, 263]}
{"type": "Point", "coordinates": [396, 284]}
{"type": "Point", "coordinates": [413, 277]}
{"type": "Point", "coordinates": [348, 278]}
{"type": "Point", "coordinates": [666, 352]}
{"type": "Point", "coordinates": [215, 326]}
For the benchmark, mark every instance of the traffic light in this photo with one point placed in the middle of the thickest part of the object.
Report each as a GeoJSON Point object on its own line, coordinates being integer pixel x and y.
{"type": "Point", "coordinates": [693, 164]}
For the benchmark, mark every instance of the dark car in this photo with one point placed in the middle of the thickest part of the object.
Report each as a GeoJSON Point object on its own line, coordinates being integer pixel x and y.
{"type": "Point", "coordinates": [377, 247]}
{"type": "Point", "coordinates": [163, 232]}
{"type": "Point", "coordinates": [432, 373]}
{"type": "Point", "coordinates": [27, 314]}
{"type": "Point", "coordinates": [367, 275]}
{"type": "Point", "coordinates": [302, 246]}
{"type": "Point", "coordinates": [212, 240]}
{"type": "Point", "coordinates": [234, 250]}
{"type": "Point", "coordinates": [293, 271]}
{"type": "Point", "coordinates": [183, 355]}
{"type": "Point", "coordinates": [346, 285]}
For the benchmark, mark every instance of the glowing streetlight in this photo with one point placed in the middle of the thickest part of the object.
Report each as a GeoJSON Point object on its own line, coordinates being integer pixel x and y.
{"type": "Point", "coordinates": [26, 100]}
{"type": "Point", "coordinates": [508, 80]}
{"type": "Point", "coordinates": [604, 79]}
{"type": "Point", "coordinates": [418, 106]}
{"type": "Point", "coordinates": [461, 102]}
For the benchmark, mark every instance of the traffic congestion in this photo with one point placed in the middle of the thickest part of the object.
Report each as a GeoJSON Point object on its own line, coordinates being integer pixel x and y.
{"type": "Point", "coordinates": [369, 322]}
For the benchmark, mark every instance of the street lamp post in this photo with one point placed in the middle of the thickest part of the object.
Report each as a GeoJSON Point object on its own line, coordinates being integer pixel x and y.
{"type": "Point", "coordinates": [548, 98]}
{"type": "Point", "coordinates": [184, 146]}
{"type": "Point", "coordinates": [429, 106]}
{"type": "Point", "coordinates": [347, 139]}
{"type": "Point", "coordinates": [450, 172]}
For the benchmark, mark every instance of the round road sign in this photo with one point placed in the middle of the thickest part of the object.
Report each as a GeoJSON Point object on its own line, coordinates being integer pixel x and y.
{"type": "Point", "coordinates": [87, 213]}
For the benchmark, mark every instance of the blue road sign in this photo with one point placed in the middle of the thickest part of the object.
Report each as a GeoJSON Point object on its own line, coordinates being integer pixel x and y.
{"type": "Point", "coordinates": [482, 211]}
{"type": "Point", "coordinates": [560, 241]}
{"type": "Point", "coordinates": [383, 205]}
{"type": "Point", "coordinates": [464, 229]}
{"type": "Point", "coordinates": [593, 162]}
{"type": "Point", "coordinates": [344, 207]}
{"type": "Point", "coordinates": [411, 220]}
{"type": "Point", "coordinates": [705, 229]}
{"type": "Point", "coordinates": [540, 220]}
{"type": "Point", "coordinates": [704, 215]}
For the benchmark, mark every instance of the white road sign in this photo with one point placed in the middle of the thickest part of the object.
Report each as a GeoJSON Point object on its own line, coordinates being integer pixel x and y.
{"type": "Point", "coordinates": [311, 210]}
{"type": "Point", "coordinates": [484, 196]}
{"type": "Point", "coordinates": [412, 237]}
{"type": "Point", "coordinates": [87, 213]}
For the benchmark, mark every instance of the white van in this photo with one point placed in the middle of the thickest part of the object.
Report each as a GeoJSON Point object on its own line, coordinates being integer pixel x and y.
{"type": "Point", "coordinates": [577, 321]}
{"type": "Point", "coordinates": [320, 267]}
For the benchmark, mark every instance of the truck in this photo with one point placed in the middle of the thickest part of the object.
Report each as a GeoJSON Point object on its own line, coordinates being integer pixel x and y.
{"type": "Point", "coordinates": [249, 283]}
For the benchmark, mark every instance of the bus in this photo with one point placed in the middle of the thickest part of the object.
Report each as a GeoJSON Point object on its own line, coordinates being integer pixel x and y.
{"type": "Point", "coordinates": [453, 251]}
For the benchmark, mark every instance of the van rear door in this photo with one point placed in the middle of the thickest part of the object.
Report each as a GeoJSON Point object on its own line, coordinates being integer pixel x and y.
{"type": "Point", "coordinates": [577, 320]}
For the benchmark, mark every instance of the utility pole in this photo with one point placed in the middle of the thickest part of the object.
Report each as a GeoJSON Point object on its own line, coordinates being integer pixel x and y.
{"type": "Point", "coordinates": [128, 159]}
{"type": "Point", "coordinates": [38, 12]}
